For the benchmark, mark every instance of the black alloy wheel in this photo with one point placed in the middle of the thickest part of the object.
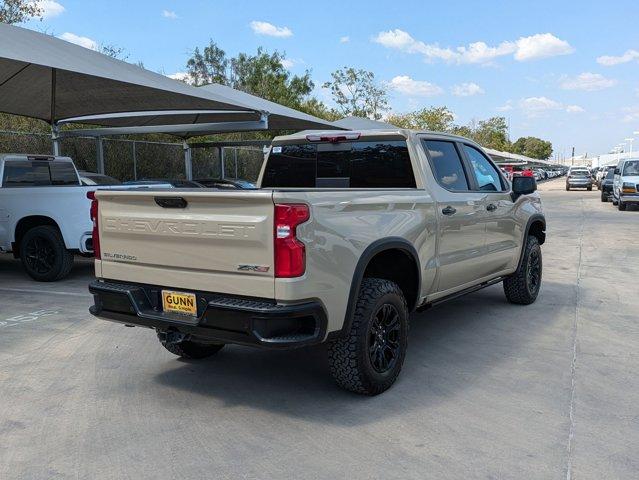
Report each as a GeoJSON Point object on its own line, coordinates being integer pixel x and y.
{"type": "Point", "coordinates": [39, 255]}
{"type": "Point", "coordinates": [534, 271]}
{"type": "Point", "coordinates": [384, 338]}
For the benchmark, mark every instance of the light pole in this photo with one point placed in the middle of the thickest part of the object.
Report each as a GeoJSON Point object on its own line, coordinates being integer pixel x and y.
{"type": "Point", "coordinates": [630, 140]}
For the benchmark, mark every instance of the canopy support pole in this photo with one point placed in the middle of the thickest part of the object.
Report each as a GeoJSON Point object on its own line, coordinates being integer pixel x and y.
{"type": "Point", "coordinates": [188, 161]}
{"type": "Point", "coordinates": [100, 155]}
{"type": "Point", "coordinates": [222, 163]}
{"type": "Point", "coordinates": [55, 138]}
{"type": "Point", "coordinates": [55, 131]}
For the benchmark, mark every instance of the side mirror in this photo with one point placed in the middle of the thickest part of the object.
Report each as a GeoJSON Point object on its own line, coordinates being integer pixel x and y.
{"type": "Point", "coordinates": [523, 186]}
{"type": "Point", "coordinates": [617, 171]}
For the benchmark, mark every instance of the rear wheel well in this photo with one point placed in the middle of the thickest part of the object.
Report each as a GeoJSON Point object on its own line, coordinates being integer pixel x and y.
{"type": "Point", "coordinates": [397, 266]}
{"type": "Point", "coordinates": [27, 223]}
{"type": "Point", "coordinates": [537, 229]}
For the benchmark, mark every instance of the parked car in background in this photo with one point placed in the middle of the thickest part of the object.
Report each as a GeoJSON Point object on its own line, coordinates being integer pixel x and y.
{"type": "Point", "coordinates": [606, 185]}
{"type": "Point", "coordinates": [625, 188]}
{"type": "Point", "coordinates": [226, 183]}
{"type": "Point", "coordinates": [44, 215]}
{"type": "Point", "coordinates": [347, 233]}
{"type": "Point", "coordinates": [602, 173]}
{"type": "Point", "coordinates": [164, 183]}
{"type": "Point", "coordinates": [578, 178]}
{"type": "Point", "coordinates": [92, 178]}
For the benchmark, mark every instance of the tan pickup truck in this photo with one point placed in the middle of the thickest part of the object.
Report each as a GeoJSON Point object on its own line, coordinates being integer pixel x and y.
{"type": "Point", "coordinates": [345, 235]}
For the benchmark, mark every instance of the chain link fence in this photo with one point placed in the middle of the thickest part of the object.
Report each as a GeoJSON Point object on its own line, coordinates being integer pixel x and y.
{"type": "Point", "coordinates": [136, 160]}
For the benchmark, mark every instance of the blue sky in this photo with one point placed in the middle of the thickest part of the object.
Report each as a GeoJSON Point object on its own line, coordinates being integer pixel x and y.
{"type": "Point", "coordinates": [566, 71]}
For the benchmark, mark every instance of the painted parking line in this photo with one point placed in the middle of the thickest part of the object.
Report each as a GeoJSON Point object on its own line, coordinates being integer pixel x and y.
{"type": "Point", "coordinates": [50, 292]}
{"type": "Point", "coordinates": [27, 318]}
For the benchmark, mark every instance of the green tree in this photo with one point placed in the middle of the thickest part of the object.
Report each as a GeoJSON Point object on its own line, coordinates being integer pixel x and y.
{"type": "Point", "coordinates": [209, 66]}
{"type": "Point", "coordinates": [114, 51]}
{"type": "Point", "coordinates": [356, 93]}
{"type": "Point", "coordinates": [491, 133]}
{"type": "Point", "coordinates": [533, 147]}
{"type": "Point", "coordinates": [436, 119]}
{"type": "Point", "coordinates": [18, 11]}
{"type": "Point", "coordinates": [262, 74]}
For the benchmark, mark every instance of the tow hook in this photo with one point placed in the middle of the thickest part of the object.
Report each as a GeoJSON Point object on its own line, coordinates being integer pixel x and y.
{"type": "Point", "coordinates": [172, 336]}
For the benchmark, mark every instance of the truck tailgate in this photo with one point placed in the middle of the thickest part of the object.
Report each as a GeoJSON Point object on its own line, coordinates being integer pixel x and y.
{"type": "Point", "coordinates": [196, 240]}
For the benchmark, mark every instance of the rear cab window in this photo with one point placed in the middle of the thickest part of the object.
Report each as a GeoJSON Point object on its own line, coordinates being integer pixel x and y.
{"type": "Point", "coordinates": [38, 173]}
{"type": "Point", "coordinates": [366, 163]}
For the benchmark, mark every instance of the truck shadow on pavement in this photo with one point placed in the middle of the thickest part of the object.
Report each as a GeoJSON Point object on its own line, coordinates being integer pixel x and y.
{"type": "Point", "coordinates": [451, 347]}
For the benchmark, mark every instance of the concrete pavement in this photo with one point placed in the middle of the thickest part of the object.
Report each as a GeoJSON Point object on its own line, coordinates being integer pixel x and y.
{"type": "Point", "coordinates": [489, 390]}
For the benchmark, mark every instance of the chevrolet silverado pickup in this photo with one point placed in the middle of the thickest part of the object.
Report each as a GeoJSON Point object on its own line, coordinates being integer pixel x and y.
{"type": "Point", "coordinates": [43, 219]}
{"type": "Point", "coordinates": [344, 236]}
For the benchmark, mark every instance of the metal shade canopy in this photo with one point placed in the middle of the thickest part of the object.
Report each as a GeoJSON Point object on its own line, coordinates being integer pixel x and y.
{"type": "Point", "coordinates": [47, 78]}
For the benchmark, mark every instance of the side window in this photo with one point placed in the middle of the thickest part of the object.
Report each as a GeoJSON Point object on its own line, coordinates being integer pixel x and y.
{"type": "Point", "coordinates": [486, 175]}
{"type": "Point", "coordinates": [381, 165]}
{"type": "Point", "coordinates": [63, 173]}
{"type": "Point", "coordinates": [24, 173]}
{"type": "Point", "coordinates": [447, 165]}
{"type": "Point", "coordinates": [291, 166]}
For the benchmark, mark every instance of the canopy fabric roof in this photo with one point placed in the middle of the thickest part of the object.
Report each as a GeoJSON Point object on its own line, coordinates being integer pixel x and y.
{"type": "Point", "coordinates": [47, 78]}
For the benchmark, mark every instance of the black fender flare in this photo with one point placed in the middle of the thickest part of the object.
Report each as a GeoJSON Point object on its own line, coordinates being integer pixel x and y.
{"type": "Point", "coordinates": [537, 217]}
{"type": "Point", "coordinates": [378, 246]}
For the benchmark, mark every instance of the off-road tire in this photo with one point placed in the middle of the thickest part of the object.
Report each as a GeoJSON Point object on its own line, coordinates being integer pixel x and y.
{"type": "Point", "coordinates": [349, 357]}
{"type": "Point", "coordinates": [621, 206]}
{"type": "Point", "coordinates": [518, 287]}
{"type": "Point", "coordinates": [190, 349]}
{"type": "Point", "coordinates": [614, 201]}
{"type": "Point", "coordinates": [50, 261]}
{"type": "Point", "coordinates": [589, 188]}
{"type": "Point", "coordinates": [604, 197]}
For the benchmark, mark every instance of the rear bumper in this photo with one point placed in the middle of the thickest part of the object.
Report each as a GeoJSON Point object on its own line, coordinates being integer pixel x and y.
{"type": "Point", "coordinates": [629, 197]}
{"type": "Point", "coordinates": [221, 318]}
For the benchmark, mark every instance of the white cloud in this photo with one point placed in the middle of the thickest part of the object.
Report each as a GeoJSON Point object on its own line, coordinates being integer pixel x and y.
{"type": "Point", "coordinates": [50, 8]}
{"type": "Point", "coordinates": [541, 45]}
{"type": "Point", "coordinates": [416, 88]}
{"type": "Point", "coordinates": [537, 106]}
{"type": "Point", "coordinates": [610, 60]}
{"type": "Point", "coordinates": [288, 63]}
{"type": "Point", "coordinates": [587, 81]}
{"type": "Point", "coordinates": [344, 39]}
{"type": "Point", "coordinates": [169, 14]}
{"type": "Point", "coordinates": [265, 28]}
{"type": "Point", "coordinates": [630, 114]}
{"type": "Point", "coordinates": [525, 48]}
{"type": "Point", "coordinates": [181, 76]}
{"type": "Point", "coordinates": [467, 90]}
{"type": "Point", "coordinates": [85, 42]}
{"type": "Point", "coordinates": [506, 107]}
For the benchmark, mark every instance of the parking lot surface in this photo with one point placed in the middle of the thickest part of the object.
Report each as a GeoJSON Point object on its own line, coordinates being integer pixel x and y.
{"type": "Point", "coordinates": [488, 390]}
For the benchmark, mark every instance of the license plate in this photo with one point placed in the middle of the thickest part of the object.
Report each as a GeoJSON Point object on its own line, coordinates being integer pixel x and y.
{"type": "Point", "coordinates": [179, 302]}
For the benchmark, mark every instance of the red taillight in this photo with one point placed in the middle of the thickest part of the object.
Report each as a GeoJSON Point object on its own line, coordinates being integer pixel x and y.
{"type": "Point", "coordinates": [95, 234]}
{"type": "Point", "coordinates": [290, 253]}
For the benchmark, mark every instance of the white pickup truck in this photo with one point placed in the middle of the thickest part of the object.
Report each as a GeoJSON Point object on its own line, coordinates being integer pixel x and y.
{"type": "Point", "coordinates": [44, 214]}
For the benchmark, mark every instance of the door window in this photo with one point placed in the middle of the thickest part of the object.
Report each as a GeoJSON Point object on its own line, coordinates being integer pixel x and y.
{"type": "Point", "coordinates": [447, 165]}
{"type": "Point", "coordinates": [486, 175]}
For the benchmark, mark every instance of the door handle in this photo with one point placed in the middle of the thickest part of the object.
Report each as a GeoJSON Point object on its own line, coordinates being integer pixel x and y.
{"type": "Point", "coordinates": [449, 210]}
{"type": "Point", "coordinates": [491, 207]}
